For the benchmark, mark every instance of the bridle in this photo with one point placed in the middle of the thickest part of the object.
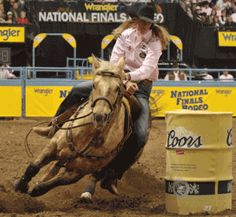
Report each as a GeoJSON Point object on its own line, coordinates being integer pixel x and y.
{"type": "Point", "coordinates": [119, 95]}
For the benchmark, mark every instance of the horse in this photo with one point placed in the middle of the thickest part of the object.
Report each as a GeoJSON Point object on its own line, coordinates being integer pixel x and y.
{"type": "Point", "coordinates": [91, 138]}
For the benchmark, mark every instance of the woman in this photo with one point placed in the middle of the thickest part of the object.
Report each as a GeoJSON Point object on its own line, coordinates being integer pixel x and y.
{"type": "Point", "coordinates": [140, 41]}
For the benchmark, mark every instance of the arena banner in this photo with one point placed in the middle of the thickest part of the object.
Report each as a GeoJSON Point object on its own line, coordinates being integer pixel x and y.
{"type": "Point", "coordinates": [82, 11]}
{"type": "Point", "coordinates": [227, 39]}
{"type": "Point", "coordinates": [11, 101]}
{"type": "Point", "coordinates": [43, 101]}
{"type": "Point", "coordinates": [12, 34]}
{"type": "Point", "coordinates": [220, 99]}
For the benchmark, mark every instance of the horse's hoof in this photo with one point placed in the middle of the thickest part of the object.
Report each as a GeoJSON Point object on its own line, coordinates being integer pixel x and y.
{"type": "Point", "coordinates": [86, 197]}
{"type": "Point", "coordinates": [21, 186]}
{"type": "Point", "coordinates": [113, 189]}
{"type": "Point", "coordinates": [110, 185]}
{"type": "Point", "coordinates": [38, 191]}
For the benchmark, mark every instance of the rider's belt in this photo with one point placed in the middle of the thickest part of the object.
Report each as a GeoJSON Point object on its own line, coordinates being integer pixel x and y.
{"type": "Point", "coordinates": [147, 82]}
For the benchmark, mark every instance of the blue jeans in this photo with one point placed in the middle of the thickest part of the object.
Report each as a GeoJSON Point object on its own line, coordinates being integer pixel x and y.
{"type": "Point", "coordinates": [141, 125]}
{"type": "Point", "coordinates": [77, 96]}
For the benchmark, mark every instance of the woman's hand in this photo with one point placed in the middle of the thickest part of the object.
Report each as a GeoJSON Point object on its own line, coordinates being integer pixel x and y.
{"type": "Point", "coordinates": [131, 87]}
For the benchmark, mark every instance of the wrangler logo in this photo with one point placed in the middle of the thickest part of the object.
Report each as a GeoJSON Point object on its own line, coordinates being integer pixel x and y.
{"type": "Point", "coordinates": [12, 34]}
{"type": "Point", "coordinates": [227, 39]}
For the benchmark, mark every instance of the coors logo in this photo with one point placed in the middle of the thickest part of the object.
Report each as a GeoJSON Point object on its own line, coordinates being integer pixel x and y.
{"type": "Point", "coordinates": [174, 141]}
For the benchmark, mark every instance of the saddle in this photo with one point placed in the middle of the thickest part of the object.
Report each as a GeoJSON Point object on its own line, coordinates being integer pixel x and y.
{"type": "Point", "coordinates": [135, 106]}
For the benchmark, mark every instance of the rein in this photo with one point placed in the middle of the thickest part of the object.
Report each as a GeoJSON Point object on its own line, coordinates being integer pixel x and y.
{"type": "Point", "coordinates": [84, 153]}
{"type": "Point", "coordinates": [119, 96]}
{"type": "Point", "coordinates": [95, 140]}
{"type": "Point", "coordinates": [26, 144]}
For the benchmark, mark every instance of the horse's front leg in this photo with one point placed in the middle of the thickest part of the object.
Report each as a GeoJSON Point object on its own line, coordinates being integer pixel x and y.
{"type": "Point", "coordinates": [48, 154]}
{"type": "Point", "coordinates": [89, 190]}
{"type": "Point", "coordinates": [52, 171]}
{"type": "Point", "coordinates": [63, 177]}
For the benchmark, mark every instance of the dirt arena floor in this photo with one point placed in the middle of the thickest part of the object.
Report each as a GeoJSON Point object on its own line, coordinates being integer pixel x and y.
{"type": "Point", "coordinates": [141, 189]}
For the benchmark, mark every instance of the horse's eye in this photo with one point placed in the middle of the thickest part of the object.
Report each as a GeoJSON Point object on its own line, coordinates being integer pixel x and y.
{"type": "Point", "coordinates": [117, 89]}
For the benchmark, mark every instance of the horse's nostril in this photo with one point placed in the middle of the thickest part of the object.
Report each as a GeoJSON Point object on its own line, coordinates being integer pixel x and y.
{"type": "Point", "coordinates": [98, 118]}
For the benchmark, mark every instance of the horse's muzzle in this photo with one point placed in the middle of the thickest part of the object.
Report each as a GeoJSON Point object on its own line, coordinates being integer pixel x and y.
{"type": "Point", "coordinates": [100, 120]}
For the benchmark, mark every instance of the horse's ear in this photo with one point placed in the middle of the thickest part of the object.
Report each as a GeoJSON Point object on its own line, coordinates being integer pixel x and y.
{"type": "Point", "coordinates": [95, 62]}
{"type": "Point", "coordinates": [121, 63]}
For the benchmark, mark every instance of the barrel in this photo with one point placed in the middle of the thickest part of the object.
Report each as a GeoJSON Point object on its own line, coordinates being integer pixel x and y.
{"type": "Point", "coordinates": [198, 162]}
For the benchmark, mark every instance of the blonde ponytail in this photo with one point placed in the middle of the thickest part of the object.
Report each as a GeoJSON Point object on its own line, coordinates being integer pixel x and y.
{"type": "Point", "coordinates": [162, 34]}
{"type": "Point", "coordinates": [121, 28]}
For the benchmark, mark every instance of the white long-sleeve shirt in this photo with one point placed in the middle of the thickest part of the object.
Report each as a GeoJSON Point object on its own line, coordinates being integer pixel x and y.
{"type": "Point", "coordinates": [141, 53]}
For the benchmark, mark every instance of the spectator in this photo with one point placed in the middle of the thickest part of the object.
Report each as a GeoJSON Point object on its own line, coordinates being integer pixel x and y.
{"type": "Point", "coordinates": [207, 77]}
{"type": "Point", "coordinates": [206, 8]}
{"type": "Point", "coordinates": [2, 17]}
{"type": "Point", "coordinates": [211, 12]}
{"type": "Point", "coordinates": [229, 22]}
{"type": "Point", "coordinates": [233, 15]}
{"type": "Point", "coordinates": [226, 76]}
{"type": "Point", "coordinates": [176, 75]}
{"type": "Point", "coordinates": [223, 4]}
{"type": "Point", "coordinates": [6, 72]}
{"type": "Point", "coordinates": [223, 18]}
{"type": "Point", "coordinates": [22, 19]}
{"type": "Point", "coordinates": [9, 17]}
{"type": "Point", "coordinates": [22, 4]}
{"type": "Point", "coordinates": [15, 9]}
{"type": "Point", "coordinates": [215, 22]}
{"type": "Point", "coordinates": [197, 14]}
{"type": "Point", "coordinates": [233, 3]}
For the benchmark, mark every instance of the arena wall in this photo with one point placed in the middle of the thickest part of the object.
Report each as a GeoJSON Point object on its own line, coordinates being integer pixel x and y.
{"type": "Point", "coordinates": [41, 97]}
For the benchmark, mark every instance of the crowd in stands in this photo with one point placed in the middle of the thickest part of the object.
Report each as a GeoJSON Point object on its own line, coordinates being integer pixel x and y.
{"type": "Point", "coordinates": [217, 13]}
{"type": "Point", "coordinates": [13, 11]}
{"type": "Point", "coordinates": [177, 74]}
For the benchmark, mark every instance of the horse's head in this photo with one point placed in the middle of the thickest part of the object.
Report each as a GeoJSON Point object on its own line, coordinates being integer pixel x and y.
{"type": "Point", "coordinates": [107, 90]}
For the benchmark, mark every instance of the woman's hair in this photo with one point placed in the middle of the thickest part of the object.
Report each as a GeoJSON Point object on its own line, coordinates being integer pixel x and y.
{"type": "Point", "coordinates": [157, 30]}
{"type": "Point", "coordinates": [162, 34]}
{"type": "Point", "coordinates": [122, 27]}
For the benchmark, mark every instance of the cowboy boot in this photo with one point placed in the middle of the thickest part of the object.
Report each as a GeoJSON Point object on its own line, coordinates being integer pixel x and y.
{"type": "Point", "coordinates": [55, 123]}
{"type": "Point", "coordinates": [48, 131]}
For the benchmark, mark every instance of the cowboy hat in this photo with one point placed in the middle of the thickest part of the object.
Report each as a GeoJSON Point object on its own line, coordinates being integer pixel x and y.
{"type": "Point", "coordinates": [142, 11]}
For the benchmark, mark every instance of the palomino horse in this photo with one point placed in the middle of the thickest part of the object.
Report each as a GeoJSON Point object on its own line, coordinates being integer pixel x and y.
{"type": "Point", "coordinates": [95, 134]}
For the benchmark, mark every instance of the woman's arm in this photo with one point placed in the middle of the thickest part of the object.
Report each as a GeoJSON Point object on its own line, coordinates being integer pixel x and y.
{"type": "Point", "coordinates": [150, 62]}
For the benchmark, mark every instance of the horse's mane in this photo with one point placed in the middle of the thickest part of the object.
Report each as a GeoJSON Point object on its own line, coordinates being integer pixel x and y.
{"type": "Point", "coordinates": [106, 66]}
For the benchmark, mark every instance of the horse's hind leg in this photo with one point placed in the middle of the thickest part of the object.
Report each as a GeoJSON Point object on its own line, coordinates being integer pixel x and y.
{"type": "Point", "coordinates": [89, 190]}
{"type": "Point", "coordinates": [63, 177]}
{"type": "Point", "coordinates": [47, 155]}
